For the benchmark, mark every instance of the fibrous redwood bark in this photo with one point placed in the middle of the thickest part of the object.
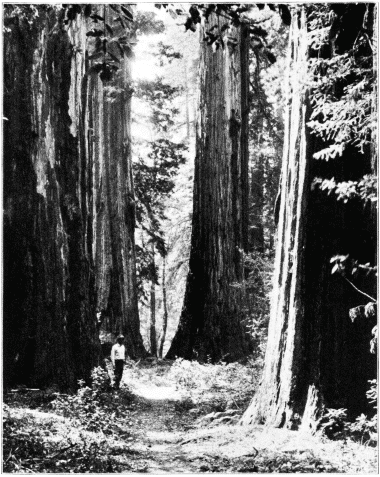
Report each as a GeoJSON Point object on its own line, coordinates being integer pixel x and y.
{"type": "Point", "coordinates": [315, 356]}
{"type": "Point", "coordinates": [50, 333]}
{"type": "Point", "coordinates": [109, 109]}
{"type": "Point", "coordinates": [211, 321]}
{"type": "Point", "coordinates": [58, 142]}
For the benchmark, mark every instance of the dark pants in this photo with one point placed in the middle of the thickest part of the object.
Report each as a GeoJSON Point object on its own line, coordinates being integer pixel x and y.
{"type": "Point", "coordinates": [119, 367]}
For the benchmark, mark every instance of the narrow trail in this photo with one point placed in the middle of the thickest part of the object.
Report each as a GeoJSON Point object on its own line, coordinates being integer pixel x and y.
{"type": "Point", "coordinates": [168, 435]}
{"type": "Point", "coordinates": [160, 424]}
{"type": "Point", "coordinates": [165, 427]}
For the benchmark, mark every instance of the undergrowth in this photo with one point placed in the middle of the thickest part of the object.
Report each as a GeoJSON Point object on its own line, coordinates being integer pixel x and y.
{"type": "Point", "coordinates": [334, 423]}
{"type": "Point", "coordinates": [76, 438]}
{"type": "Point", "coordinates": [215, 387]}
{"type": "Point", "coordinates": [94, 408]}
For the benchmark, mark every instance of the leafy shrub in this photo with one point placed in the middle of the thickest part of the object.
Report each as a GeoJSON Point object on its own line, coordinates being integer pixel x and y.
{"type": "Point", "coordinates": [258, 286]}
{"type": "Point", "coordinates": [334, 424]}
{"type": "Point", "coordinates": [364, 429]}
{"type": "Point", "coordinates": [28, 447]}
{"type": "Point", "coordinates": [218, 385]}
{"type": "Point", "coordinates": [95, 408]}
{"type": "Point", "coordinates": [372, 392]}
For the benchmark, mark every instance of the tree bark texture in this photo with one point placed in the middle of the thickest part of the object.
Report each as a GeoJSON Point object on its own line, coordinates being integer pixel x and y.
{"type": "Point", "coordinates": [211, 321]}
{"type": "Point", "coordinates": [57, 144]}
{"type": "Point", "coordinates": [165, 309]}
{"type": "Point", "coordinates": [109, 109]}
{"type": "Point", "coordinates": [315, 356]}
{"type": "Point", "coordinates": [256, 232]}
{"type": "Point", "coordinates": [152, 325]}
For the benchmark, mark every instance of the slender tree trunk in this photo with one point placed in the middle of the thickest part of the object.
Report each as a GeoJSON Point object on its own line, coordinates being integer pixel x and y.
{"type": "Point", "coordinates": [211, 320]}
{"type": "Point", "coordinates": [257, 206]}
{"type": "Point", "coordinates": [187, 103]}
{"type": "Point", "coordinates": [315, 356]}
{"type": "Point", "coordinates": [165, 306]}
{"type": "Point", "coordinates": [153, 336]}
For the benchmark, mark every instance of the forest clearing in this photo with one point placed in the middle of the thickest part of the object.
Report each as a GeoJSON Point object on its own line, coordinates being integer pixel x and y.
{"type": "Point", "coordinates": [190, 238]}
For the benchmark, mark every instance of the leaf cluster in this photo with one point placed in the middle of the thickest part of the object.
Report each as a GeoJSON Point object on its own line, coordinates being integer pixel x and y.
{"type": "Point", "coordinates": [52, 444]}
{"type": "Point", "coordinates": [233, 15]}
{"type": "Point", "coordinates": [365, 189]}
{"type": "Point", "coordinates": [94, 408]}
{"type": "Point", "coordinates": [342, 86]}
{"type": "Point", "coordinates": [334, 423]}
{"type": "Point", "coordinates": [145, 23]}
{"type": "Point", "coordinates": [14, 13]}
{"type": "Point", "coordinates": [155, 171]}
{"type": "Point", "coordinates": [110, 34]}
{"type": "Point", "coordinates": [347, 266]}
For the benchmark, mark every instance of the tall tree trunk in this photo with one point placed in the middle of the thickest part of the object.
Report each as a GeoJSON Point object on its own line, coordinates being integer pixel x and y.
{"type": "Point", "coordinates": [187, 105]}
{"type": "Point", "coordinates": [315, 356]}
{"type": "Point", "coordinates": [50, 333]}
{"type": "Point", "coordinates": [256, 234]}
{"type": "Point", "coordinates": [114, 206]}
{"type": "Point", "coordinates": [58, 143]}
{"type": "Point", "coordinates": [153, 336]}
{"type": "Point", "coordinates": [165, 307]}
{"type": "Point", "coordinates": [211, 320]}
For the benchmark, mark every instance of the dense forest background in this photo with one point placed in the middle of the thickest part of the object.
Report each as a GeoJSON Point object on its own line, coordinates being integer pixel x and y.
{"type": "Point", "coordinates": [202, 179]}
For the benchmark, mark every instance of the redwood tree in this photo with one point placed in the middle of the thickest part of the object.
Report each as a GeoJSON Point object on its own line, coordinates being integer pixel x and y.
{"type": "Point", "coordinates": [67, 194]}
{"type": "Point", "coordinates": [211, 323]}
{"type": "Point", "coordinates": [316, 358]}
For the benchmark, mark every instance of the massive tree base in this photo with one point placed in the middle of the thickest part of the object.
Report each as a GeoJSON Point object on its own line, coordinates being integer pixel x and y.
{"type": "Point", "coordinates": [316, 357]}
{"type": "Point", "coordinates": [211, 325]}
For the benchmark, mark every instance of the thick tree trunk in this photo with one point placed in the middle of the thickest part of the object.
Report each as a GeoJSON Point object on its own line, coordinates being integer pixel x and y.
{"type": "Point", "coordinates": [50, 333]}
{"type": "Point", "coordinates": [211, 320]}
{"type": "Point", "coordinates": [315, 356]}
{"type": "Point", "coordinates": [57, 143]}
{"type": "Point", "coordinates": [109, 107]}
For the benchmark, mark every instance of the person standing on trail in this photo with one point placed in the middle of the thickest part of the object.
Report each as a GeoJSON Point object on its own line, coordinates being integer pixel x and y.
{"type": "Point", "coordinates": [118, 359]}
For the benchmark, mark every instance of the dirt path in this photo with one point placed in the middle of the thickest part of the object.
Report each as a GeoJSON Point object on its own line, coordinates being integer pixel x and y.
{"type": "Point", "coordinates": [168, 437]}
{"type": "Point", "coordinates": [164, 430]}
{"type": "Point", "coordinates": [160, 423]}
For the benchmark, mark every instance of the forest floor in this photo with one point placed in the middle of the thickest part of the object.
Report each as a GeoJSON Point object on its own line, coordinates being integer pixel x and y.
{"type": "Point", "coordinates": [176, 418]}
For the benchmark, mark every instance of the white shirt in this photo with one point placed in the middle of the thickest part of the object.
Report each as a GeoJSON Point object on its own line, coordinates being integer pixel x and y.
{"type": "Point", "coordinates": [117, 352]}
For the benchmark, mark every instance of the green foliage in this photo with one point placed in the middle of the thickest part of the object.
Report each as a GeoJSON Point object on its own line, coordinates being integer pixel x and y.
{"type": "Point", "coordinates": [285, 463]}
{"type": "Point", "coordinates": [21, 13]}
{"type": "Point", "coordinates": [31, 446]}
{"type": "Point", "coordinates": [94, 408]}
{"type": "Point", "coordinates": [109, 33]}
{"type": "Point", "coordinates": [215, 386]}
{"type": "Point", "coordinates": [235, 15]}
{"type": "Point", "coordinates": [155, 169]}
{"type": "Point", "coordinates": [342, 96]}
{"type": "Point", "coordinates": [145, 23]}
{"type": "Point", "coordinates": [348, 266]}
{"type": "Point", "coordinates": [365, 189]}
{"type": "Point", "coordinates": [112, 39]}
{"type": "Point", "coordinates": [372, 393]}
{"type": "Point", "coordinates": [334, 423]}
{"type": "Point", "coordinates": [257, 286]}
{"type": "Point", "coordinates": [266, 128]}
{"type": "Point", "coordinates": [167, 54]}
